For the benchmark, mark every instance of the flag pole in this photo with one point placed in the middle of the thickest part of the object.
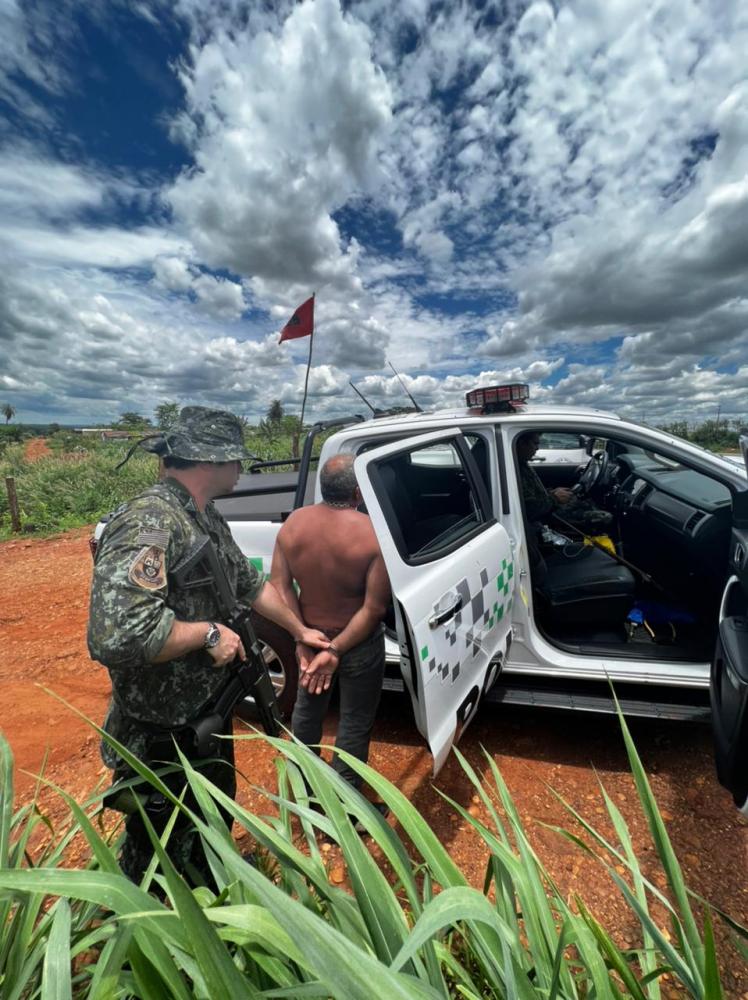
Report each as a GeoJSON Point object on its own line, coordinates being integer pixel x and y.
{"type": "Point", "coordinates": [308, 366]}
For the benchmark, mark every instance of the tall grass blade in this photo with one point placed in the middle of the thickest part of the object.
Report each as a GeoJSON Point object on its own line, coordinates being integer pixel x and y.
{"type": "Point", "coordinates": [679, 965]}
{"type": "Point", "coordinates": [646, 955]}
{"type": "Point", "coordinates": [712, 986]}
{"type": "Point", "coordinates": [56, 977]}
{"type": "Point", "coordinates": [102, 853]}
{"type": "Point", "coordinates": [149, 982]}
{"type": "Point", "coordinates": [6, 800]}
{"type": "Point", "coordinates": [347, 969]}
{"type": "Point", "coordinates": [450, 908]}
{"type": "Point", "coordinates": [692, 940]}
{"type": "Point", "coordinates": [107, 973]}
{"type": "Point", "coordinates": [614, 956]}
{"type": "Point", "coordinates": [221, 976]}
{"type": "Point", "coordinates": [539, 922]}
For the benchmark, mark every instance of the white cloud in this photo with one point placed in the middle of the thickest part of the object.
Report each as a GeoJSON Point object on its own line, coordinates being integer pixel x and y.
{"type": "Point", "coordinates": [173, 273]}
{"type": "Point", "coordinates": [325, 380]}
{"type": "Point", "coordinates": [34, 184]}
{"type": "Point", "coordinates": [559, 193]}
{"type": "Point", "coordinates": [220, 296]}
{"type": "Point", "coordinates": [104, 246]}
{"type": "Point", "coordinates": [285, 127]}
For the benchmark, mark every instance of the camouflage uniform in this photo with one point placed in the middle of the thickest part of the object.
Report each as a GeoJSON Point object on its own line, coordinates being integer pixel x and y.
{"type": "Point", "coordinates": [133, 607]}
{"type": "Point", "coordinates": [541, 505]}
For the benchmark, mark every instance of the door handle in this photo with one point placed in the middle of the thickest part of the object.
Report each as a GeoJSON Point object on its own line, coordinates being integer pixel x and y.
{"type": "Point", "coordinates": [439, 617]}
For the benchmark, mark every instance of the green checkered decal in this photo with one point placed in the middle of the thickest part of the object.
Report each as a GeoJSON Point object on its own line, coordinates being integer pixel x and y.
{"type": "Point", "coordinates": [474, 620]}
{"type": "Point", "coordinates": [506, 574]}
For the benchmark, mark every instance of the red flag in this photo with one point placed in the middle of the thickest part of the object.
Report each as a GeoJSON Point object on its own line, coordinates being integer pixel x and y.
{"type": "Point", "coordinates": [301, 323]}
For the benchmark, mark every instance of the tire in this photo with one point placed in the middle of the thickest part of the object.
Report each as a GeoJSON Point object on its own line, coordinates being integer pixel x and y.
{"type": "Point", "coordinates": [279, 652]}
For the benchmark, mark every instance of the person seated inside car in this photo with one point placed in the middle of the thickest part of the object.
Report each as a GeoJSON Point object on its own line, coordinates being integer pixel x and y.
{"type": "Point", "coordinates": [542, 504]}
{"type": "Point", "coordinates": [578, 585]}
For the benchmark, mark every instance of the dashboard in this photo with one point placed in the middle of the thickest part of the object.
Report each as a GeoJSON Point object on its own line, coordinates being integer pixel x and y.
{"type": "Point", "coordinates": [682, 498]}
{"type": "Point", "coordinates": [675, 522]}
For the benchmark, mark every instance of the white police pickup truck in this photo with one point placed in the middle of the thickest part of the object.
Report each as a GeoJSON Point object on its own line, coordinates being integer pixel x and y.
{"type": "Point", "coordinates": [481, 613]}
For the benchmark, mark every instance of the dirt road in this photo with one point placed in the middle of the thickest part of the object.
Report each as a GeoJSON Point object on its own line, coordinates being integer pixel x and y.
{"type": "Point", "coordinates": [43, 609]}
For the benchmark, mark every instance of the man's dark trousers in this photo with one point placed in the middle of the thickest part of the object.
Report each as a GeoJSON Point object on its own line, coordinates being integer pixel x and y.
{"type": "Point", "coordinates": [359, 677]}
{"type": "Point", "coordinates": [184, 847]}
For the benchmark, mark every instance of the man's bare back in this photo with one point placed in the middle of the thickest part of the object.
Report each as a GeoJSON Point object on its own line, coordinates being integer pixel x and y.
{"type": "Point", "coordinates": [329, 553]}
{"type": "Point", "coordinates": [332, 553]}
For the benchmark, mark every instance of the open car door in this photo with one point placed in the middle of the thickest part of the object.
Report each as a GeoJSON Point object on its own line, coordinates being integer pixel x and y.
{"type": "Point", "coordinates": [452, 575]}
{"type": "Point", "coordinates": [729, 680]}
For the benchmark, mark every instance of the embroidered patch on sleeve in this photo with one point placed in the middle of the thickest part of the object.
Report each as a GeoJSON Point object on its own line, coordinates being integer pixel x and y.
{"type": "Point", "coordinates": [148, 568]}
{"type": "Point", "coordinates": [156, 536]}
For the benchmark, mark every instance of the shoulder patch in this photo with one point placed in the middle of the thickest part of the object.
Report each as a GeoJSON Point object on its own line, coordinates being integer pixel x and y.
{"type": "Point", "coordinates": [148, 568]}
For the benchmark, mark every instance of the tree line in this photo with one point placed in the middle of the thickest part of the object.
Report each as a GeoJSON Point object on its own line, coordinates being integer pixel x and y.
{"type": "Point", "coordinates": [716, 434]}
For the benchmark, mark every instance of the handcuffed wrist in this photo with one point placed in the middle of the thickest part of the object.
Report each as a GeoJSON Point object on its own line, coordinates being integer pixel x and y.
{"type": "Point", "coordinates": [332, 648]}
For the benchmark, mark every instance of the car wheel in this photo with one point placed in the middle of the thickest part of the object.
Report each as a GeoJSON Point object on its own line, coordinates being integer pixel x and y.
{"type": "Point", "coordinates": [279, 653]}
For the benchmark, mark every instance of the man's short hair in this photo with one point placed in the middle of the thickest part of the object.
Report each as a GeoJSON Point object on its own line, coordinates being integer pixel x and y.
{"type": "Point", "coordinates": [337, 479]}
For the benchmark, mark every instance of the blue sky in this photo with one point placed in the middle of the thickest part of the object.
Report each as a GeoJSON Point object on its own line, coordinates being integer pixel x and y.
{"type": "Point", "coordinates": [556, 193]}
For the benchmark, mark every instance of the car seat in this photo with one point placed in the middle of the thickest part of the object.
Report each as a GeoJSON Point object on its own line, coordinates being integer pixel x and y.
{"type": "Point", "coordinates": [587, 587]}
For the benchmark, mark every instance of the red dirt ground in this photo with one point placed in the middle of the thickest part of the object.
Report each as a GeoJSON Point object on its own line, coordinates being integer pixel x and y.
{"type": "Point", "coordinates": [35, 449]}
{"type": "Point", "coordinates": [44, 586]}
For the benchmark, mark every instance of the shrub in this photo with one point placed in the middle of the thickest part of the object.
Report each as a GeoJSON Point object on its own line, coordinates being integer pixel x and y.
{"type": "Point", "coordinates": [73, 489]}
{"type": "Point", "coordinates": [294, 934]}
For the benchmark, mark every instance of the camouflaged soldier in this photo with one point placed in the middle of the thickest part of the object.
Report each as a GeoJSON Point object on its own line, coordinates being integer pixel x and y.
{"type": "Point", "coordinates": [541, 504]}
{"type": "Point", "coordinates": [167, 652]}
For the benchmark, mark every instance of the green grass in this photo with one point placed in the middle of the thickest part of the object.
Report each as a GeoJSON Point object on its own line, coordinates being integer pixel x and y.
{"type": "Point", "coordinates": [420, 932]}
{"type": "Point", "coordinates": [77, 484]}
{"type": "Point", "coordinates": [57, 493]}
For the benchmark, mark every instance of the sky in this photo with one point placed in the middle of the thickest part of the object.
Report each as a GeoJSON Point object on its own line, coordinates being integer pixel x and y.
{"type": "Point", "coordinates": [554, 193]}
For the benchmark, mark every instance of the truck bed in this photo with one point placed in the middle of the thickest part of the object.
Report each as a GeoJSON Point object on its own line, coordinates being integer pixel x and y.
{"type": "Point", "coordinates": [264, 496]}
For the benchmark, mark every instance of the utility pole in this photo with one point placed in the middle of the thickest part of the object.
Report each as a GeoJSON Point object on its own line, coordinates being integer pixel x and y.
{"type": "Point", "coordinates": [15, 518]}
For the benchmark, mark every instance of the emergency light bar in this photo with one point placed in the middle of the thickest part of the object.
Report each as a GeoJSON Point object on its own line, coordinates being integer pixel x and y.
{"type": "Point", "coordinates": [498, 397]}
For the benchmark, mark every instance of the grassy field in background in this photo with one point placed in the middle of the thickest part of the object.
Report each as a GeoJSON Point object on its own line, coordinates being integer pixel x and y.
{"type": "Point", "coordinates": [76, 483]}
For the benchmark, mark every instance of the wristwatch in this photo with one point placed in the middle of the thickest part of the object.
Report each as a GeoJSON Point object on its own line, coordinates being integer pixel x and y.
{"type": "Point", "coordinates": [212, 636]}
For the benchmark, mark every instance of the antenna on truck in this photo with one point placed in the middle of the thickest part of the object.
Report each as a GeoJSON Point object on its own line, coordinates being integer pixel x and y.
{"type": "Point", "coordinates": [405, 389]}
{"type": "Point", "coordinates": [373, 410]}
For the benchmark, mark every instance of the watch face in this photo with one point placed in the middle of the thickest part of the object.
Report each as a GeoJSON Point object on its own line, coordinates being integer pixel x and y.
{"type": "Point", "coordinates": [212, 637]}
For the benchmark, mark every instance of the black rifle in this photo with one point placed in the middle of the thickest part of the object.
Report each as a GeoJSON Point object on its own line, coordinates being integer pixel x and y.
{"type": "Point", "coordinates": [251, 675]}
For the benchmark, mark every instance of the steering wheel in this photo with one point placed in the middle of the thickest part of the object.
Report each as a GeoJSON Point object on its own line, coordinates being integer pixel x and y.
{"type": "Point", "coordinates": [593, 474]}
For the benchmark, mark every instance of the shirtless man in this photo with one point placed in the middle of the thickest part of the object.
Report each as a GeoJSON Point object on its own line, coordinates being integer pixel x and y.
{"type": "Point", "coordinates": [330, 549]}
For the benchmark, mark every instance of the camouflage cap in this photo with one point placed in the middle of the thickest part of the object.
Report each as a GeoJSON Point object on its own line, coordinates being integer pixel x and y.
{"type": "Point", "coordinates": [204, 435]}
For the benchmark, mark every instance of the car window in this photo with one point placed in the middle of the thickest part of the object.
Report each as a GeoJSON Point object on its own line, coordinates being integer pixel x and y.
{"type": "Point", "coordinates": [561, 441]}
{"type": "Point", "coordinates": [435, 456]}
{"type": "Point", "coordinates": [430, 499]}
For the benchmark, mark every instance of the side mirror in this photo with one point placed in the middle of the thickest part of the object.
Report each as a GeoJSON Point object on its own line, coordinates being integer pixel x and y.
{"type": "Point", "coordinates": [586, 442]}
{"type": "Point", "coordinates": [743, 440]}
